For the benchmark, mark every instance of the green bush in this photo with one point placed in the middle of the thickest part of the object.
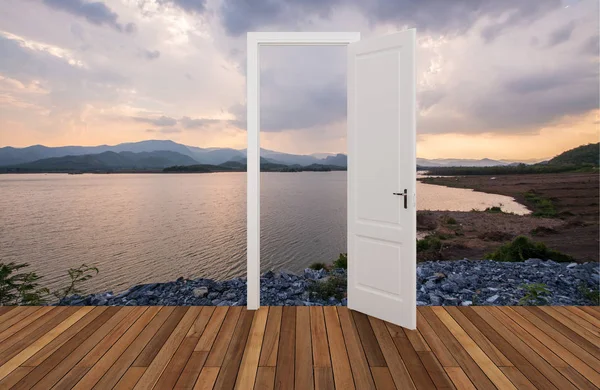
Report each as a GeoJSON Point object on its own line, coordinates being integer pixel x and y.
{"type": "Point", "coordinates": [591, 294]}
{"type": "Point", "coordinates": [535, 294]}
{"type": "Point", "coordinates": [543, 207]}
{"type": "Point", "coordinates": [522, 248]}
{"type": "Point", "coordinates": [334, 286]}
{"type": "Point", "coordinates": [494, 210]}
{"type": "Point", "coordinates": [24, 288]}
{"type": "Point", "coordinates": [450, 221]}
{"type": "Point", "coordinates": [429, 243]}
{"type": "Point", "coordinates": [341, 262]}
{"type": "Point", "coordinates": [317, 266]}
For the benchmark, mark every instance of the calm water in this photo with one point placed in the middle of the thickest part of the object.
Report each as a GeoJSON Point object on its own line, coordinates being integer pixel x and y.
{"type": "Point", "coordinates": [141, 228]}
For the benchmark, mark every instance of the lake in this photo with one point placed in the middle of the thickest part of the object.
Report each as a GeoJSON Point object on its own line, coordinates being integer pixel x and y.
{"type": "Point", "coordinates": [142, 228]}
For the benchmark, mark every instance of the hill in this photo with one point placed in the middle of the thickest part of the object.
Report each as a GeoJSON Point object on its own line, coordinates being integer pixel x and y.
{"type": "Point", "coordinates": [584, 154]}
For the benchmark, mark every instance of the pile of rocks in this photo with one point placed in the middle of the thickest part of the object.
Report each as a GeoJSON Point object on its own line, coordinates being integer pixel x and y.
{"type": "Point", "coordinates": [462, 282]}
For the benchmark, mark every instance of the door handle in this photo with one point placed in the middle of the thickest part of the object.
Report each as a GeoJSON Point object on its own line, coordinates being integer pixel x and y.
{"type": "Point", "coordinates": [405, 195]}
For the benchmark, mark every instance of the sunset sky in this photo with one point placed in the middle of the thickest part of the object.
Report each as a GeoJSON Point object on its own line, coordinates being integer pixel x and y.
{"type": "Point", "coordinates": [507, 79]}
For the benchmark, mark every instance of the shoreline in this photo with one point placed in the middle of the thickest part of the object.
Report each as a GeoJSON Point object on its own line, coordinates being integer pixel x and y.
{"type": "Point", "coordinates": [439, 283]}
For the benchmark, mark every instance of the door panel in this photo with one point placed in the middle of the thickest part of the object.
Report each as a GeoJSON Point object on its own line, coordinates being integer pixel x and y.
{"type": "Point", "coordinates": [381, 162]}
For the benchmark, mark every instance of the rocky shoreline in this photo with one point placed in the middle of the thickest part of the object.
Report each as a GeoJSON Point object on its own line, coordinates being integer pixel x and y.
{"type": "Point", "coordinates": [462, 282]}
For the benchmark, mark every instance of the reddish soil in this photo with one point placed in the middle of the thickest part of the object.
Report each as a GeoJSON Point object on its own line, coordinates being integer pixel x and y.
{"type": "Point", "coordinates": [574, 230]}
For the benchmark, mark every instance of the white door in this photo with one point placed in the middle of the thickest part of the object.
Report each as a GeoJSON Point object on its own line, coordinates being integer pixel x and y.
{"type": "Point", "coordinates": [382, 178]}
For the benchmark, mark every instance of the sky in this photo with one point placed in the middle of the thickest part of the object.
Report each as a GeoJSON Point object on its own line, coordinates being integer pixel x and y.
{"type": "Point", "coordinates": [511, 79]}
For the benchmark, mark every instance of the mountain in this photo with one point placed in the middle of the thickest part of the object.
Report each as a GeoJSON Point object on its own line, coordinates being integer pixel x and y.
{"type": "Point", "coordinates": [583, 155]}
{"type": "Point", "coordinates": [105, 161]}
{"type": "Point", "coordinates": [455, 162]}
{"type": "Point", "coordinates": [340, 160]}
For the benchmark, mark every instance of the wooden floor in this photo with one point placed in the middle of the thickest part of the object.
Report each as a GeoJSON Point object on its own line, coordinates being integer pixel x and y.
{"type": "Point", "coordinates": [298, 347]}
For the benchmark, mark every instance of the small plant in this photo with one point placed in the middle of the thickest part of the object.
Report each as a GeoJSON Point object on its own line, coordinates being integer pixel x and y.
{"type": "Point", "coordinates": [450, 221]}
{"type": "Point", "coordinates": [341, 262]}
{"type": "Point", "coordinates": [335, 286]}
{"type": "Point", "coordinates": [494, 210]}
{"type": "Point", "coordinates": [522, 248]}
{"type": "Point", "coordinates": [535, 294]}
{"type": "Point", "coordinates": [591, 294]}
{"type": "Point", "coordinates": [20, 288]}
{"type": "Point", "coordinates": [543, 206]}
{"type": "Point", "coordinates": [77, 276]}
{"type": "Point", "coordinates": [429, 243]}
{"type": "Point", "coordinates": [317, 266]}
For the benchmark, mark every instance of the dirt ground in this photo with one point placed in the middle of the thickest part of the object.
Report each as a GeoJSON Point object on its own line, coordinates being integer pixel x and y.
{"type": "Point", "coordinates": [574, 229]}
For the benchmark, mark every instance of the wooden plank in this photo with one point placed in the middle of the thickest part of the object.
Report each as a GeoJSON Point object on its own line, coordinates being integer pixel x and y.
{"type": "Point", "coordinates": [409, 356]}
{"type": "Point", "coordinates": [101, 367]}
{"type": "Point", "coordinates": [171, 374]}
{"type": "Point", "coordinates": [358, 360]}
{"type": "Point", "coordinates": [22, 324]}
{"type": "Point", "coordinates": [342, 374]}
{"type": "Point", "coordinates": [585, 315]}
{"type": "Point", "coordinates": [71, 333]}
{"type": "Point", "coordinates": [125, 360]}
{"type": "Point", "coordinates": [207, 378]}
{"type": "Point", "coordinates": [151, 349]}
{"type": "Point", "coordinates": [433, 340]}
{"type": "Point", "coordinates": [466, 362]}
{"type": "Point", "coordinates": [542, 350]}
{"type": "Point", "coordinates": [544, 367]}
{"type": "Point", "coordinates": [436, 371]}
{"type": "Point", "coordinates": [4, 310]}
{"type": "Point", "coordinates": [482, 360]}
{"type": "Point", "coordinates": [284, 374]}
{"type": "Point", "coordinates": [72, 368]}
{"type": "Point", "coordinates": [591, 310]}
{"type": "Point", "coordinates": [192, 370]}
{"type": "Point", "coordinates": [131, 377]}
{"type": "Point", "coordinates": [320, 348]}
{"type": "Point", "coordinates": [35, 330]}
{"type": "Point", "coordinates": [162, 358]}
{"type": "Point", "coordinates": [509, 350]}
{"type": "Point", "coordinates": [265, 377]}
{"type": "Point", "coordinates": [233, 357]}
{"type": "Point", "coordinates": [212, 329]}
{"type": "Point", "coordinates": [323, 378]}
{"type": "Point", "coordinates": [554, 346]}
{"type": "Point", "coordinates": [15, 316]}
{"type": "Point", "coordinates": [576, 323]}
{"type": "Point", "coordinates": [565, 330]}
{"type": "Point", "coordinates": [383, 378]}
{"type": "Point", "coordinates": [486, 346]}
{"type": "Point", "coordinates": [392, 357]}
{"type": "Point", "coordinates": [517, 378]}
{"type": "Point", "coordinates": [249, 365]}
{"type": "Point", "coordinates": [49, 365]}
{"type": "Point", "coordinates": [368, 340]}
{"type": "Point", "coordinates": [38, 344]}
{"type": "Point", "coordinates": [11, 380]}
{"type": "Point", "coordinates": [303, 362]}
{"type": "Point", "coordinates": [219, 348]}
{"type": "Point", "coordinates": [268, 355]}
{"type": "Point", "coordinates": [560, 338]}
{"type": "Point", "coordinates": [418, 342]}
{"type": "Point", "coordinates": [459, 378]}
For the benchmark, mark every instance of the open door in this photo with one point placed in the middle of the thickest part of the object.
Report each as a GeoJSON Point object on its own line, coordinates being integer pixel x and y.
{"type": "Point", "coordinates": [382, 178]}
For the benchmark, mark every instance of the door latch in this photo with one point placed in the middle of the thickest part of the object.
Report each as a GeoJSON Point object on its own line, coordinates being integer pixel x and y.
{"type": "Point", "coordinates": [405, 195]}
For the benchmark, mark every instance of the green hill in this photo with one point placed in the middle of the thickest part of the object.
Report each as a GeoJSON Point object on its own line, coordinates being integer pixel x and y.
{"type": "Point", "coordinates": [583, 155]}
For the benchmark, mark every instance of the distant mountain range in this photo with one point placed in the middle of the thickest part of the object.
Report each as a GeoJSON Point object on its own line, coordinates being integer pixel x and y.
{"type": "Point", "coordinates": [154, 154]}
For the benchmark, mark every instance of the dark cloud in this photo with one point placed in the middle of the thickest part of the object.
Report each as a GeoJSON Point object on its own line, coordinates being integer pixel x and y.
{"type": "Point", "coordinates": [561, 34]}
{"type": "Point", "coordinates": [429, 98]}
{"type": "Point", "coordinates": [162, 121]}
{"type": "Point", "coordinates": [94, 12]}
{"type": "Point", "coordinates": [199, 123]}
{"type": "Point", "coordinates": [191, 6]}
{"type": "Point", "coordinates": [544, 81]}
{"type": "Point", "coordinates": [151, 54]}
{"type": "Point", "coordinates": [442, 16]}
{"type": "Point", "coordinates": [167, 130]}
{"type": "Point", "coordinates": [591, 46]}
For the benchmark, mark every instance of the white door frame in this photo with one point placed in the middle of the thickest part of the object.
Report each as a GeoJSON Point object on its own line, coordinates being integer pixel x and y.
{"type": "Point", "coordinates": [254, 41]}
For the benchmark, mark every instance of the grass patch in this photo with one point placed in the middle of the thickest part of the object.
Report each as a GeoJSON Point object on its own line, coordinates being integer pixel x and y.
{"type": "Point", "coordinates": [450, 221]}
{"type": "Point", "coordinates": [522, 248]}
{"type": "Point", "coordinates": [543, 207]}
{"type": "Point", "coordinates": [429, 243]}
{"type": "Point", "coordinates": [334, 286]}
{"type": "Point", "coordinates": [591, 294]}
{"type": "Point", "coordinates": [317, 266]}
{"type": "Point", "coordinates": [535, 294]}
{"type": "Point", "coordinates": [341, 262]}
{"type": "Point", "coordinates": [494, 210]}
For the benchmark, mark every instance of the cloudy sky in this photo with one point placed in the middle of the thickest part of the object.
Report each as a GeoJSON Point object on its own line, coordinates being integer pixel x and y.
{"type": "Point", "coordinates": [501, 79]}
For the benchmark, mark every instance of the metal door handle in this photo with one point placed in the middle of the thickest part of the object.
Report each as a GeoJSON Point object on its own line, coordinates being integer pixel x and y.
{"type": "Point", "coordinates": [405, 195]}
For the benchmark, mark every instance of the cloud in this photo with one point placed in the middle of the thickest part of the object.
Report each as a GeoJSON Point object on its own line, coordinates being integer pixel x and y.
{"type": "Point", "coordinates": [561, 34]}
{"type": "Point", "coordinates": [192, 6]}
{"type": "Point", "coordinates": [159, 121]}
{"type": "Point", "coordinates": [200, 123]}
{"type": "Point", "coordinates": [94, 12]}
{"type": "Point", "coordinates": [167, 130]}
{"type": "Point", "coordinates": [591, 46]}
{"type": "Point", "coordinates": [151, 54]}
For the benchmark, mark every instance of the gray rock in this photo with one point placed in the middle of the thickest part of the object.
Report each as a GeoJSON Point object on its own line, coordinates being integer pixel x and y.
{"type": "Point", "coordinates": [200, 292]}
{"type": "Point", "coordinates": [493, 298]}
